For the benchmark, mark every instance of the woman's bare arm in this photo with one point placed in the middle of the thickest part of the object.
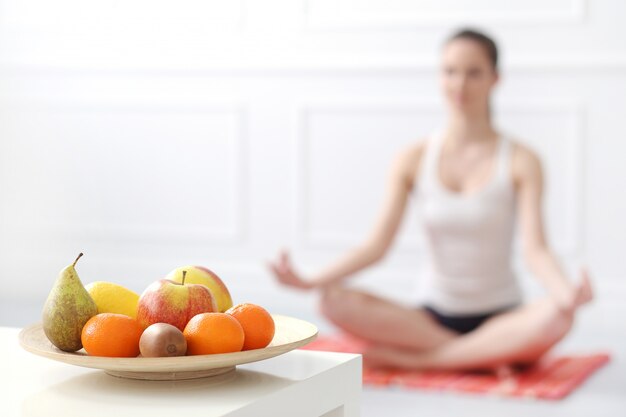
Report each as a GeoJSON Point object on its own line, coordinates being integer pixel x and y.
{"type": "Point", "coordinates": [376, 245]}
{"type": "Point", "coordinates": [528, 177]}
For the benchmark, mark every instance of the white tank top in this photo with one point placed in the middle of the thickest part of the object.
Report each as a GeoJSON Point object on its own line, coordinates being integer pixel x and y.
{"type": "Point", "coordinates": [468, 237]}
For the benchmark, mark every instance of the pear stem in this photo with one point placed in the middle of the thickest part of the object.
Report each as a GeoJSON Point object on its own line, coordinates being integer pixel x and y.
{"type": "Point", "coordinates": [79, 255]}
{"type": "Point", "coordinates": [184, 273]}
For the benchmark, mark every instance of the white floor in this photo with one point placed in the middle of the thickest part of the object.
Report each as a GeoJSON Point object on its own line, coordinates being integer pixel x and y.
{"type": "Point", "coordinates": [601, 328]}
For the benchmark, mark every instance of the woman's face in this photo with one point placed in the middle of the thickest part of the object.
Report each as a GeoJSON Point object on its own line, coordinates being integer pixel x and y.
{"type": "Point", "coordinates": [467, 76]}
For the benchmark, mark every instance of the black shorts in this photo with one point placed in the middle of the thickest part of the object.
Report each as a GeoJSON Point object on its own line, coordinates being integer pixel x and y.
{"type": "Point", "coordinates": [464, 324]}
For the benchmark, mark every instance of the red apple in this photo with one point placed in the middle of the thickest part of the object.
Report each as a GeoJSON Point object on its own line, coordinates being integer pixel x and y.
{"type": "Point", "coordinates": [166, 301]}
{"type": "Point", "coordinates": [201, 275]}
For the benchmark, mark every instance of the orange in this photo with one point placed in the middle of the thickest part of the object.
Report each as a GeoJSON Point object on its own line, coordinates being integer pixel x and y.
{"type": "Point", "coordinates": [257, 323]}
{"type": "Point", "coordinates": [110, 334]}
{"type": "Point", "coordinates": [209, 333]}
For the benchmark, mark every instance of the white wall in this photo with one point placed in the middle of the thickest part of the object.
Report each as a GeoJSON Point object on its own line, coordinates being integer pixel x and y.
{"type": "Point", "coordinates": [150, 134]}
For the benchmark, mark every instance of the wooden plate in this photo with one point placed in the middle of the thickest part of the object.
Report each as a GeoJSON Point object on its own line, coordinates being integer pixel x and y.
{"type": "Point", "coordinates": [290, 334]}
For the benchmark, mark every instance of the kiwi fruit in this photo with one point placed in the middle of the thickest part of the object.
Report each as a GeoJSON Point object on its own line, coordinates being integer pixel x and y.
{"type": "Point", "coordinates": [162, 339]}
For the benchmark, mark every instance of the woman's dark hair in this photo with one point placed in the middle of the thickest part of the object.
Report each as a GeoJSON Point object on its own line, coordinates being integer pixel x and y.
{"type": "Point", "coordinates": [485, 41]}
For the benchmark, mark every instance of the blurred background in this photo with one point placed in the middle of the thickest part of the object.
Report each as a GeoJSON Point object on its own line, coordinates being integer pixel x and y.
{"type": "Point", "coordinates": [154, 134]}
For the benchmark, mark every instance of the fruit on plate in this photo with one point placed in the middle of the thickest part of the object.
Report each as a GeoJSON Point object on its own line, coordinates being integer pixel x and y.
{"type": "Point", "coordinates": [162, 339]}
{"type": "Point", "coordinates": [113, 335]}
{"type": "Point", "coordinates": [258, 325]}
{"type": "Point", "coordinates": [166, 301]}
{"type": "Point", "coordinates": [67, 309]}
{"type": "Point", "coordinates": [208, 278]}
{"type": "Point", "coordinates": [113, 298]}
{"type": "Point", "coordinates": [210, 333]}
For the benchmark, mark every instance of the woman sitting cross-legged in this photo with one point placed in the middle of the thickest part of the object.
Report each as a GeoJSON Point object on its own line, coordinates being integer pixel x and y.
{"type": "Point", "coordinates": [472, 184]}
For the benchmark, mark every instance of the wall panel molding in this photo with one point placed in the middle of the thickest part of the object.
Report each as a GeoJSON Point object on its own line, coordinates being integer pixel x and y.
{"type": "Point", "coordinates": [343, 14]}
{"type": "Point", "coordinates": [233, 233]}
{"type": "Point", "coordinates": [311, 66]}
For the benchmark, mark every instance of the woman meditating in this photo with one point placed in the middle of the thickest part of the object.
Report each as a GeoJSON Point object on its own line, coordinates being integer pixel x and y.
{"type": "Point", "coordinates": [472, 184]}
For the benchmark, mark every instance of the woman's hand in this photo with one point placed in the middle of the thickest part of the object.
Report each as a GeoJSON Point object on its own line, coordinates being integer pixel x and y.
{"type": "Point", "coordinates": [285, 273]}
{"type": "Point", "coordinates": [584, 292]}
{"type": "Point", "coordinates": [580, 294]}
{"type": "Point", "coordinates": [401, 176]}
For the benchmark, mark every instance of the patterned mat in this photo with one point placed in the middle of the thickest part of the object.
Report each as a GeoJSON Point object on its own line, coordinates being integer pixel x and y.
{"type": "Point", "coordinates": [553, 378]}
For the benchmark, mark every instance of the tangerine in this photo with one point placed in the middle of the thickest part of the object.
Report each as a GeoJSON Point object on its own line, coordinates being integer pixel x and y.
{"type": "Point", "coordinates": [111, 334]}
{"type": "Point", "coordinates": [258, 325]}
{"type": "Point", "coordinates": [209, 333]}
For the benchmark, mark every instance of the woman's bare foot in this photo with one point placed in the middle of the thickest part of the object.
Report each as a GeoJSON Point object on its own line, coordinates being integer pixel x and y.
{"type": "Point", "coordinates": [507, 376]}
{"type": "Point", "coordinates": [374, 356]}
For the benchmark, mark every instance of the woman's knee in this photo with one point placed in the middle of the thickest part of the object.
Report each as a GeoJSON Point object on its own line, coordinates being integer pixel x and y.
{"type": "Point", "coordinates": [545, 324]}
{"type": "Point", "coordinates": [337, 301]}
{"type": "Point", "coordinates": [555, 323]}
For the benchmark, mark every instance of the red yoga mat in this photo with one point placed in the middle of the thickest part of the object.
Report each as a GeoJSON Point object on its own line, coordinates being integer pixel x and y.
{"type": "Point", "coordinates": [552, 378]}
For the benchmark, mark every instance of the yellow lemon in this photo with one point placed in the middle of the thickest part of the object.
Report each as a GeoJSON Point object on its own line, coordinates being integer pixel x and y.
{"type": "Point", "coordinates": [113, 298]}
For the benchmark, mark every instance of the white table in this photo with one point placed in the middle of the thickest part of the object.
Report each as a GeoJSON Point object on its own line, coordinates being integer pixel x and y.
{"type": "Point", "coordinates": [297, 384]}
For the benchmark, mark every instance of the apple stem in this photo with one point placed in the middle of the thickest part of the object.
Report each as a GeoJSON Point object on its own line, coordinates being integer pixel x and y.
{"type": "Point", "coordinates": [184, 273]}
{"type": "Point", "coordinates": [77, 258]}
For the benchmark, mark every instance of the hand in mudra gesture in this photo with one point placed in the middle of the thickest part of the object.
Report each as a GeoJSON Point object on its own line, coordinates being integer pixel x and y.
{"type": "Point", "coordinates": [286, 274]}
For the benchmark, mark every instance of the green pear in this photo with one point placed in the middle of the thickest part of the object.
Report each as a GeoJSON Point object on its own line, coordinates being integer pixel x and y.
{"type": "Point", "coordinates": [67, 309]}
